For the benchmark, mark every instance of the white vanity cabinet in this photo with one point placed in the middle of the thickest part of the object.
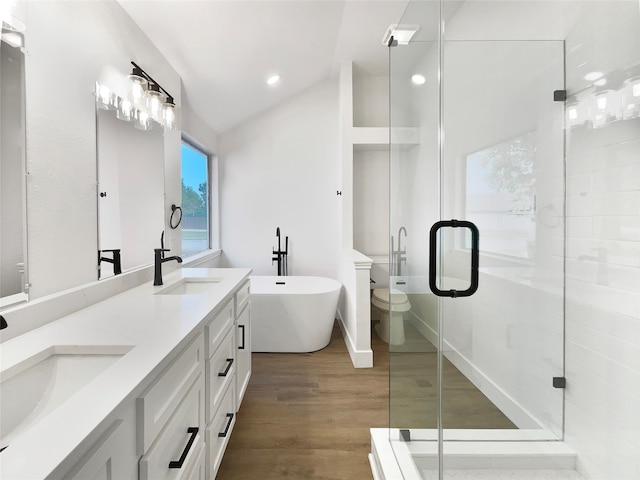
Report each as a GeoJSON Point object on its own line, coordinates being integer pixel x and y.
{"type": "Point", "coordinates": [220, 379]}
{"type": "Point", "coordinates": [177, 408]}
{"type": "Point", "coordinates": [243, 352]}
{"type": "Point", "coordinates": [112, 456]}
{"type": "Point", "coordinates": [170, 418]}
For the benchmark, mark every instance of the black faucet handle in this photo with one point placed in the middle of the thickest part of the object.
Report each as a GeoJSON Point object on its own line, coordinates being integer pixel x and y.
{"type": "Point", "coordinates": [161, 250]}
{"type": "Point", "coordinates": [3, 323]}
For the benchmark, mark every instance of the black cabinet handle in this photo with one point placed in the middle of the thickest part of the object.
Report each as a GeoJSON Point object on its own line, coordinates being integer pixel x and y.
{"type": "Point", "coordinates": [226, 429]}
{"type": "Point", "coordinates": [475, 255]}
{"type": "Point", "coordinates": [241, 347]}
{"type": "Point", "coordinates": [178, 463]}
{"type": "Point", "coordinates": [226, 370]}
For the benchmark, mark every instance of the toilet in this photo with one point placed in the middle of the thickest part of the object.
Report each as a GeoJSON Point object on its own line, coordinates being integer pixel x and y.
{"type": "Point", "coordinates": [391, 326]}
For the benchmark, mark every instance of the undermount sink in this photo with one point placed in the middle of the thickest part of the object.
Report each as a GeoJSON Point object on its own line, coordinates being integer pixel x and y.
{"type": "Point", "coordinates": [35, 387]}
{"type": "Point", "coordinates": [190, 286]}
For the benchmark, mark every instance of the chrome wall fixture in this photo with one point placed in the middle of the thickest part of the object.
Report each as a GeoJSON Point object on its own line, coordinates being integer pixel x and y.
{"type": "Point", "coordinates": [144, 102]}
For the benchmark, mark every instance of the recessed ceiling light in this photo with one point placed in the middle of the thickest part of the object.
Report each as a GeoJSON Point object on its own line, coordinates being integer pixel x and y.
{"type": "Point", "coordinates": [273, 79]}
{"type": "Point", "coordinates": [402, 33]}
{"type": "Point", "coordinates": [592, 76]}
{"type": "Point", "coordinates": [418, 79]}
{"type": "Point", "coordinates": [601, 82]}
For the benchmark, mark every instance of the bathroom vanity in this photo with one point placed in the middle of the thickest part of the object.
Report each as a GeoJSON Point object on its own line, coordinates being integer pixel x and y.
{"type": "Point", "coordinates": [143, 385]}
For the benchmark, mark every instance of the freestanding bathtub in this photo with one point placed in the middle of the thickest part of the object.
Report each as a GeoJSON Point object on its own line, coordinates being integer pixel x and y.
{"type": "Point", "coordinates": [292, 314]}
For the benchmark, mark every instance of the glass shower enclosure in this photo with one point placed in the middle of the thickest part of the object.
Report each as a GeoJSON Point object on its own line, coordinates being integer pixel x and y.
{"type": "Point", "coordinates": [494, 91]}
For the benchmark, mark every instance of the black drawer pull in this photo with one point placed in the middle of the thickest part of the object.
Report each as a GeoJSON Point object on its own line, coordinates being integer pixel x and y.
{"type": "Point", "coordinates": [178, 464]}
{"type": "Point", "coordinates": [226, 370]}
{"type": "Point", "coordinates": [241, 347]}
{"type": "Point", "coordinates": [226, 429]}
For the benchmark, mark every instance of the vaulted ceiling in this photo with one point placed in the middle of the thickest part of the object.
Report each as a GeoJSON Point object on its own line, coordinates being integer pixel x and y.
{"type": "Point", "coordinates": [225, 49]}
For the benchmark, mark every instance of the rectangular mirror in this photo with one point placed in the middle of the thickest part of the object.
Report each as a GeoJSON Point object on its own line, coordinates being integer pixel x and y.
{"type": "Point", "coordinates": [130, 192]}
{"type": "Point", "coordinates": [13, 257]}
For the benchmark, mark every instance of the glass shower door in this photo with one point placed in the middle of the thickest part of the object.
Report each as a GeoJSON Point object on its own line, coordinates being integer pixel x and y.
{"type": "Point", "coordinates": [487, 152]}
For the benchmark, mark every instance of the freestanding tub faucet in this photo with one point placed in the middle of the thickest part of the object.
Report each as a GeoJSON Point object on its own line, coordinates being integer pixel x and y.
{"type": "Point", "coordinates": [280, 255]}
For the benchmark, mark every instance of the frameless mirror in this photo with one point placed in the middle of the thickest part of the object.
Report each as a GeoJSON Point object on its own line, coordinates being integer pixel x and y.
{"type": "Point", "coordinates": [130, 193]}
{"type": "Point", "coordinates": [13, 271]}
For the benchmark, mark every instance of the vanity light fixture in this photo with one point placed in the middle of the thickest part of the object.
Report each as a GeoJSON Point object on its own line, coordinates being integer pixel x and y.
{"type": "Point", "coordinates": [148, 101]}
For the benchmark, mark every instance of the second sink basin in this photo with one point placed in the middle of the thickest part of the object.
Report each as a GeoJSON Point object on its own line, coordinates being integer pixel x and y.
{"type": "Point", "coordinates": [36, 386]}
{"type": "Point", "coordinates": [190, 286]}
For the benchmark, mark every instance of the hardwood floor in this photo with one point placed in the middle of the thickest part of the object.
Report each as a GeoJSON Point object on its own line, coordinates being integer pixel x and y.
{"type": "Point", "coordinates": [307, 416]}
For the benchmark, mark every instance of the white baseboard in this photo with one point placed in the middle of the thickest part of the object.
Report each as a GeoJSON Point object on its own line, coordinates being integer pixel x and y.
{"type": "Point", "coordinates": [359, 358]}
{"type": "Point", "coordinates": [511, 408]}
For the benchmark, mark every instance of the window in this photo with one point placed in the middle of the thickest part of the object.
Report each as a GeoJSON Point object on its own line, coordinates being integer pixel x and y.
{"type": "Point", "coordinates": [501, 196]}
{"type": "Point", "coordinates": [196, 218]}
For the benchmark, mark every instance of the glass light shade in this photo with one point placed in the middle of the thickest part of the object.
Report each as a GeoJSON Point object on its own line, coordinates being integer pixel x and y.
{"type": "Point", "coordinates": [142, 120]}
{"type": "Point", "coordinates": [603, 108]}
{"type": "Point", "coordinates": [125, 109]}
{"type": "Point", "coordinates": [575, 114]}
{"type": "Point", "coordinates": [631, 98]}
{"type": "Point", "coordinates": [170, 120]}
{"type": "Point", "coordinates": [137, 88]}
{"type": "Point", "coordinates": [154, 102]}
{"type": "Point", "coordinates": [105, 98]}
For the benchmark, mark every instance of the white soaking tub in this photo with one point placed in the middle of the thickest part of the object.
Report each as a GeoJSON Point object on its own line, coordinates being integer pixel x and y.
{"type": "Point", "coordinates": [292, 314]}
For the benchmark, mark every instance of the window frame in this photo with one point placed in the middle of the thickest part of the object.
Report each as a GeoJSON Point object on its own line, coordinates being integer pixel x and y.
{"type": "Point", "coordinates": [210, 204]}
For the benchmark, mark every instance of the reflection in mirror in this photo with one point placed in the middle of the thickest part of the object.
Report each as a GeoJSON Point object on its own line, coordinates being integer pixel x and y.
{"type": "Point", "coordinates": [130, 192]}
{"type": "Point", "coordinates": [13, 271]}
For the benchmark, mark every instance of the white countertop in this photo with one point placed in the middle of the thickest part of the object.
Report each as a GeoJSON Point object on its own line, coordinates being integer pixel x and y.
{"type": "Point", "coordinates": [153, 325]}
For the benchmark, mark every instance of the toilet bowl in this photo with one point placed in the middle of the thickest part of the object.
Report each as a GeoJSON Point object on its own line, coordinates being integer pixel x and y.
{"type": "Point", "coordinates": [391, 326]}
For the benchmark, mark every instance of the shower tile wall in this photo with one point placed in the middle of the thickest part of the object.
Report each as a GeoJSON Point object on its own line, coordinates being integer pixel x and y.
{"type": "Point", "coordinates": [602, 422]}
{"type": "Point", "coordinates": [603, 300]}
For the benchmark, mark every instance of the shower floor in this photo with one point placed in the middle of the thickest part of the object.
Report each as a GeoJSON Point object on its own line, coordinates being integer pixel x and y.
{"type": "Point", "coordinates": [413, 390]}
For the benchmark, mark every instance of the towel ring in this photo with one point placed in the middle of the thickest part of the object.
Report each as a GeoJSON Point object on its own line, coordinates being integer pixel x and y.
{"type": "Point", "coordinates": [174, 209]}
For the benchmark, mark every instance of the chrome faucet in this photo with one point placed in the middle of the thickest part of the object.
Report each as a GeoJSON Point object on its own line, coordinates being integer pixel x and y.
{"type": "Point", "coordinates": [159, 260]}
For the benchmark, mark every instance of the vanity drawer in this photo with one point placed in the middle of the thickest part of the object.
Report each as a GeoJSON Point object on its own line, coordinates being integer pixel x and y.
{"type": "Point", "coordinates": [159, 401]}
{"type": "Point", "coordinates": [216, 329]}
{"type": "Point", "coordinates": [242, 297]}
{"type": "Point", "coordinates": [219, 431]}
{"type": "Point", "coordinates": [221, 371]}
{"type": "Point", "coordinates": [176, 451]}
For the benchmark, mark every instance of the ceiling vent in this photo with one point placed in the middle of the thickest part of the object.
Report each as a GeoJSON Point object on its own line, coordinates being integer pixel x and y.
{"type": "Point", "coordinates": [402, 33]}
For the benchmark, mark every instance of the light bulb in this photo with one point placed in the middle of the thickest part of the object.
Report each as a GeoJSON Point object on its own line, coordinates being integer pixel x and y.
{"type": "Point", "coordinates": [154, 102]}
{"type": "Point", "coordinates": [169, 115]}
{"type": "Point", "coordinates": [104, 98]}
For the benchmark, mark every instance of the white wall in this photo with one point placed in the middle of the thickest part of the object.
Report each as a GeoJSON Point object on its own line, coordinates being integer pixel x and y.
{"type": "Point", "coordinates": [71, 45]}
{"type": "Point", "coordinates": [280, 169]}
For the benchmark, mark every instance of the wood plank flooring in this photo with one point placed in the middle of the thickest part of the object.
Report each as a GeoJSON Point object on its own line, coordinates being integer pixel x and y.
{"type": "Point", "coordinates": [307, 416]}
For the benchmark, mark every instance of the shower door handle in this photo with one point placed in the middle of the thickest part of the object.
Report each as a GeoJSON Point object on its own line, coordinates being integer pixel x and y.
{"type": "Point", "coordinates": [475, 255]}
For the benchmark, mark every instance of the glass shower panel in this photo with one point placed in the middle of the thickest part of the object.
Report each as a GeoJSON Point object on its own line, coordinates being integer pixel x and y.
{"type": "Point", "coordinates": [413, 354]}
{"type": "Point", "coordinates": [503, 170]}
